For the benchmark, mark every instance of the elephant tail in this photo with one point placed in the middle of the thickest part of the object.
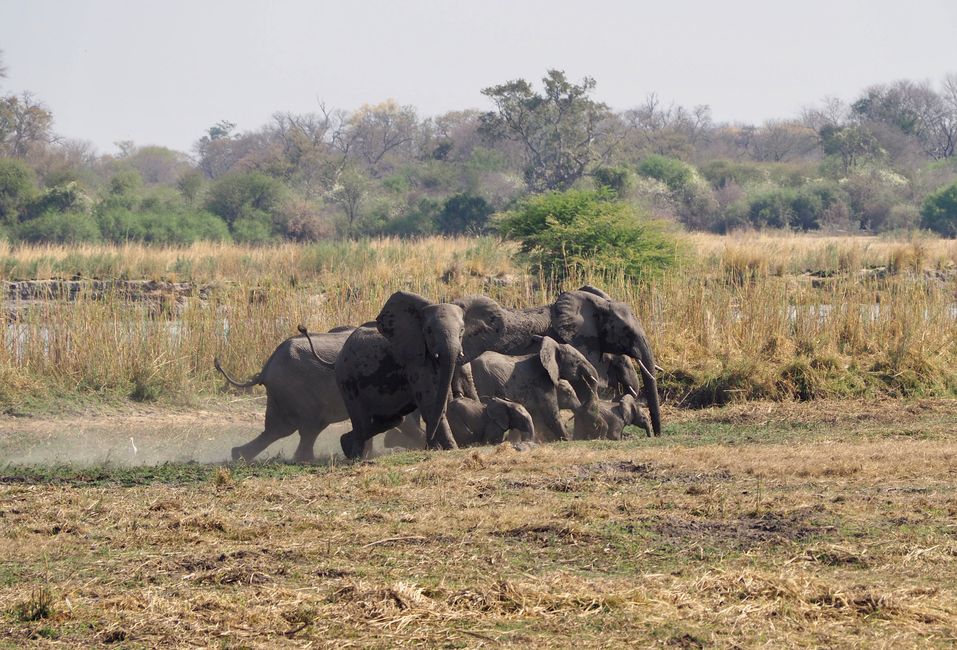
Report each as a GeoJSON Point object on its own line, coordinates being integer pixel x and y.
{"type": "Point", "coordinates": [253, 381]}
{"type": "Point", "coordinates": [331, 365]}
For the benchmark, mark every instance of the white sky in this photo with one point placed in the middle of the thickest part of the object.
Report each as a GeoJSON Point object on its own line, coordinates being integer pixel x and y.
{"type": "Point", "coordinates": [162, 72]}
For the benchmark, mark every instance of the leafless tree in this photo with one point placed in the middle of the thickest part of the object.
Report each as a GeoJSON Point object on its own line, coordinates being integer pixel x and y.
{"type": "Point", "coordinates": [24, 123]}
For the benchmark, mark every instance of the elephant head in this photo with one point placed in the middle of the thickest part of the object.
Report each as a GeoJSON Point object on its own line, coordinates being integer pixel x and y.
{"type": "Point", "coordinates": [503, 416]}
{"type": "Point", "coordinates": [426, 341]}
{"type": "Point", "coordinates": [563, 362]}
{"type": "Point", "coordinates": [596, 325]}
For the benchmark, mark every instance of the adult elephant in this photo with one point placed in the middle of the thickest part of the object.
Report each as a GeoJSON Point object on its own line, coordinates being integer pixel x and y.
{"type": "Point", "coordinates": [401, 362]}
{"type": "Point", "coordinates": [301, 394]}
{"type": "Point", "coordinates": [587, 319]}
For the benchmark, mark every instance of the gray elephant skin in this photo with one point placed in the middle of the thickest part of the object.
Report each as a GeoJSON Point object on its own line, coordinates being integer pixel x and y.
{"type": "Point", "coordinates": [486, 421]}
{"type": "Point", "coordinates": [301, 394]}
{"type": "Point", "coordinates": [532, 380]}
{"type": "Point", "coordinates": [587, 319]}
{"type": "Point", "coordinates": [403, 361]}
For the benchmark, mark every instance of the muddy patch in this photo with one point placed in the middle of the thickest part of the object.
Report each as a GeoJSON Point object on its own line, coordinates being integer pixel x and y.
{"type": "Point", "coordinates": [629, 471]}
{"type": "Point", "coordinates": [743, 533]}
{"type": "Point", "coordinates": [550, 534]}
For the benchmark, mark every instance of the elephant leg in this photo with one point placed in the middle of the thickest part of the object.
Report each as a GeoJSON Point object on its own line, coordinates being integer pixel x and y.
{"type": "Point", "coordinates": [276, 426]}
{"type": "Point", "coordinates": [553, 420]}
{"type": "Point", "coordinates": [305, 452]}
{"type": "Point", "coordinates": [255, 446]}
{"type": "Point", "coordinates": [443, 437]}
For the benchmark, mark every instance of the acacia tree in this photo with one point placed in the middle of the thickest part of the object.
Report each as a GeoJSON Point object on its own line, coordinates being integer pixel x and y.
{"type": "Point", "coordinates": [563, 132]}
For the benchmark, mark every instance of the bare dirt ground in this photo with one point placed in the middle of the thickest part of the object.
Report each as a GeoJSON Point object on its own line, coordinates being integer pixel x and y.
{"type": "Point", "coordinates": [145, 436]}
{"type": "Point", "coordinates": [825, 524]}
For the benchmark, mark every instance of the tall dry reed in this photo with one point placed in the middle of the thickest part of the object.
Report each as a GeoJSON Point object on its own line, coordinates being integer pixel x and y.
{"type": "Point", "coordinates": [744, 318]}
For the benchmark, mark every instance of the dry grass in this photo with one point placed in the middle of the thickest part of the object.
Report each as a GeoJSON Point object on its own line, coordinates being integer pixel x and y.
{"type": "Point", "coordinates": [754, 525]}
{"type": "Point", "coordinates": [746, 318]}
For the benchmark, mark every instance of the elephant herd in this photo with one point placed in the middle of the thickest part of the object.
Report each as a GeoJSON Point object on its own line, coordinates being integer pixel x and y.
{"type": "Point", "coordinates": [472, 370]}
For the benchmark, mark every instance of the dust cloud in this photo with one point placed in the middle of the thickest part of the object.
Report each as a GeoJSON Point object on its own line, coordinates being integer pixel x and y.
{"type": "Point", "coordinates": [144, 438]}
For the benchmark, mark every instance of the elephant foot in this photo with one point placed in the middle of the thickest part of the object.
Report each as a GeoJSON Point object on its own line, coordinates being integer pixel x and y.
{"type": "Point", "coordinates": [237, 454]}
{"type": "Point", "coordinates": [304, 459]}
{"type": "Point", "coordinates": [351, 446]}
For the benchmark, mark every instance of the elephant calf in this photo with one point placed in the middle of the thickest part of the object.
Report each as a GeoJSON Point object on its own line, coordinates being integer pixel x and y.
{"type": "Point", "coordinates": [533, 380]}
{"type": "Point", "coordinates": [486, 421]}
{"type": "Point", "coordinates": [617, 415]}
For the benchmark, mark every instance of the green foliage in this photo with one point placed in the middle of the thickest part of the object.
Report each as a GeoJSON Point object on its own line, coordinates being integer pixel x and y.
{"type": "Point", "coordinates": [235, 195]}
{"type": "Point", "coordinates": [18, 186]}
{"type": "Point", "coordinates": [126, 182]}
{"type": "Point", "coordinates": [69, 197]}
{"type": "Point", "coordinates": [561, 131]}
{"type": "Point", "coordinates": [670, 171]}
{"type": "Point", "coordinates": [464, 214]}
{"type": "Point", "coordinates": [59, 228]}
{"type": "Point", "coordinates": [939, 211]}
{"type": "Point", "coordinates": [618, 179]}
{"type": "Point", "coordinates": [721, 173]}
{"type": "Point", "coordinates": [579, 231]}
{"type": "Point", "coordinates": [161, 227]}
{"type": "Point", "coordinates": [253, 226]}
{"type": "Point", "coordinates": [418, 221]}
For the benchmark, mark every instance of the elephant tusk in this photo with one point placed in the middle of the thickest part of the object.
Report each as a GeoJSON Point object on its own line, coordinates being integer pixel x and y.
{"type": "Point", "coordinates": [633, 392]}
{"type": "Point", "coordinates": [644, 368]}
{"type": "Point", "coordinates": [659, 368]}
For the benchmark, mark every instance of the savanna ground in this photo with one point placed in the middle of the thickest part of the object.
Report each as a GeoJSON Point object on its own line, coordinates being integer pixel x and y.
{"type": "Point", "coordinates": [817, 507]}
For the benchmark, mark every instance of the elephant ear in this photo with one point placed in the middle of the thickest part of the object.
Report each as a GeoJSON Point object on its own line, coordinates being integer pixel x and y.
{"type": "Point", "coordinates": [484, 325]}
{"type": "Point", "coordinates": [548, 355]}
{"type": "Point", "coordinates": [595, 290]}
{"type": "Point", "coordinates": [576, 318]}
{"type": "Point", "coordinates": [400, 321]}
{"type": "Point", "coordinates": [497, 410]}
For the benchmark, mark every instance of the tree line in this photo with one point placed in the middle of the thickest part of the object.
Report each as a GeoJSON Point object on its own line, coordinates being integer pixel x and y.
{"type": "Point", "coordinates": [883, 161]}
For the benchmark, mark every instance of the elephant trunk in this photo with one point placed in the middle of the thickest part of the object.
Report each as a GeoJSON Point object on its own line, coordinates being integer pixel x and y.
{"type": "Point", "coordinates": [446, 354]}
{"type": "Point", "coordinates": [646, 363]}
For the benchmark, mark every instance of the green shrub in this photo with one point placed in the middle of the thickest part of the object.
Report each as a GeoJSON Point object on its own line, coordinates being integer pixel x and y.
{"type": "Point", "coordinates": [253, 227]}
{"type": "Point", "coordinates": [939, 211]}
{"type": "Point", "coordinates": [580, 231]}
{"type": "Point", "coordinates": [240, 195]}
{"type": "Point", "coordinates": [670, 171]}
{"type": "Point", "coordinates": [59, 228]}
{"type": "Point", "coordinates": [418, 221]}
{"type": "Point", "coordinates": [18, 186]}
{"type": "Point", "coordinates": [464, 214]}
{"type": "Point", "coordinates": [161, 226]}
{"type": "Point", "coordinates": [720, 173]}
{"type": "Point", "coordinates": [618, 179]}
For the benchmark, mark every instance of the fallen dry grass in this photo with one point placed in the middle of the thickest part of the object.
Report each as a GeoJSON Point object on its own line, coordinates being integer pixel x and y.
{"type": "Point", "coordinates": [832, 524]}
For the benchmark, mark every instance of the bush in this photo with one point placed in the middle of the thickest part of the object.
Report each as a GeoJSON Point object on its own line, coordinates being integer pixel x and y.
{"type": "Point", "coordinates": [253, 227]}
{"type": "Point", "coordinates": [233, 197]}
{"type": "Point", "coordinates": [464, 214]}
{"type": "Point", "coordinates": [721, 173]}
{"type": "Point", "coordinates": [161, 227]}
{"type": "Point", "coordinates": [670, 171]}
{"type": "Point", "coordinates": [618, 179]}
{"type": "Point", "coordinates": [578, 231]}
{"type": "Point", "coordinates": [418, 221]}
{"type": "Point", "coordinates": [59, 228]}
{"type": "Point", "coordinates": [18, 185]}
{"type": "Point", "coordinates": [939, 212]}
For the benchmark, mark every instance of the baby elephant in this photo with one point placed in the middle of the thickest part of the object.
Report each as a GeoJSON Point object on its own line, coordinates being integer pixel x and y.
{"type": "Point", "coordinates": [623, 412]}
{"type": "Point", "coordinates": [475, 422]}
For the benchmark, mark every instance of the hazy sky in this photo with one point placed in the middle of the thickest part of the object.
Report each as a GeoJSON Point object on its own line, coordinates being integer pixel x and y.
{"type": "Point", "coordinates": [162, 72]}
